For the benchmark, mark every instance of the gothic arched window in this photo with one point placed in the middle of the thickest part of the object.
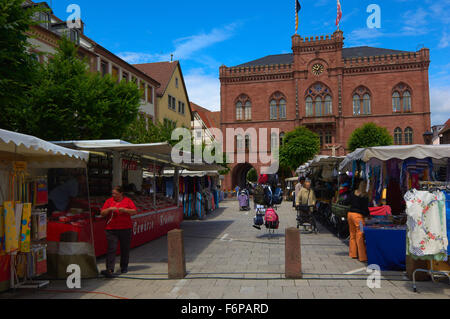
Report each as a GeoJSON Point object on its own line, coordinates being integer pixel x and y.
{"type": "Point", "coordinates": [401, 98]}
{"type": "Point", "coordinates": [362, 101]}
{"type": "Point", "coordinates": [243, 108]}
{"type": "Point", "coordinates": [398, 136]}
{"type": "Point", "coordinates": [309, 106]}
{"type": "Point", "coordinates": [273, 110]}
{"type": "Point", "coordinates": [396, 102]}
{"type": "Point", "coordinates": [318, 101]}
{"type": "Point", "coordinates": [406, 101]}
{"type": "Point", "coordinates": [408, 136]}
{"type": "Point", "coordinates": [273, 141]}
{"type": "Point", "coordinates": [356, 105]}
{"type": "Point", "coordinates": [277, 106]}
{"type": "Point", "coordinates": [328, 105]}
{"type": "Point", "coordinates": [238, 111]}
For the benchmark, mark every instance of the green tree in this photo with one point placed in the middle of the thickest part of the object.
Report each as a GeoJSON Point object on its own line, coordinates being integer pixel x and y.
{"type": "Point", "coordinates": [142, 130]}
{"type": "Point", "coordinates": [369, 135]}
{"type": "Point", "coordinates": [17, 66]}
{"type": "Point", "coordinates": [299, 146]}
{"type": "Point", "coordinates": [69, 102]}
{"type": "Point", "coordinates": [252, 175]}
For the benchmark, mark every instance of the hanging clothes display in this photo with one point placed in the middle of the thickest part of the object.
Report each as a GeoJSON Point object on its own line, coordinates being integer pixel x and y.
{"type": "Point", "coordinates": [394, 197]}
{"type": "Point", "coordinates": [427, 225]}
{"type": "Point", "coordinates": [2, 231]}
{"type": "Point", "coordinates": [11, 240]}
{"type": "Point", "coordinates": [25, 234]}
{"type": "Point", "coordinates": [447, 210]}
{"type": "Point", "coordinates": [42, 192]}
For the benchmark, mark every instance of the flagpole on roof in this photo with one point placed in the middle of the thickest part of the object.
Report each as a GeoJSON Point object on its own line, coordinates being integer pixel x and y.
{"type": "Point", "coordinates": [296, 16]}
{"type": "Point", "coordinates": [339, 14]}
{"type": "Point", "coordinates": [297, 9]}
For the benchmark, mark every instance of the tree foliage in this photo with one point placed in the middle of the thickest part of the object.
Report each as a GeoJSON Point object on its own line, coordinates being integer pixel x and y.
{"type": "Point", "coordinates": [17, 67]}
{"type": "Point", "coordinates": [252, 175]}
{"type": "Point", "coordinates": [69, 102]}
{"type": "Point", "coordinates": [299, 146]}
{"type": "Point", "coordinates": [143, 130]}
{"type": "Point", "coordinates": [369, 135]}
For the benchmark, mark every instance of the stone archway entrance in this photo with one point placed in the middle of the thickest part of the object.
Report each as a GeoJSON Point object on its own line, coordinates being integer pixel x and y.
{"type": "Point", "coordinates": [239, 175]}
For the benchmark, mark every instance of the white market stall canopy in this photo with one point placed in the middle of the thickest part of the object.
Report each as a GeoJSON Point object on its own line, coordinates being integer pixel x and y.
{"type": "Point", "coordinates": [184, 173]}
{"type": "Point", "coordinates": [39, 153]}
{"type": "Point", "coordinates": [319, 160]}
{"type": "Point", "coordinates": [401, 152]}
{"type": "Point", "coordinates": [160, 152]}
{"type": "Point", "coordinates": [322, 160]}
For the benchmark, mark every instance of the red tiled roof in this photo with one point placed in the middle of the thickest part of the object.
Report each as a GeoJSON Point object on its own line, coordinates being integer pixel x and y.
{"type": "Point", "coordinates": [446, 127]}
{"type": "Point", "coordinates": [208, 117]}
{"type": "Point", "coordinates": [160, 71]}
{"type": "Point", "coordinates": [215, 116]}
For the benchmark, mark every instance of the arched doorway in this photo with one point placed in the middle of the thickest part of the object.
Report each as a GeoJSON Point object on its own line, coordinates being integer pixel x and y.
{"type": "Point", "coordinates": [239, 175]}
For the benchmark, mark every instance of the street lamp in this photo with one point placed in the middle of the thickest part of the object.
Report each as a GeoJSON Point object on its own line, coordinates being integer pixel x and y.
{"type": "Point", "coordinates": [428, 137]}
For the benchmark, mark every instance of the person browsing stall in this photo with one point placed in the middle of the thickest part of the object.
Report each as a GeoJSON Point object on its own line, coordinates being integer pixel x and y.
{"type": "Point", "coordinates": [118, 210]}
{"type": "Point", "coordinates": [60, 197]}
{"type": "Point", "coordinates": [298, 187]}
{"type": "Point", "coordinates": [359, 209]}
{"type": "Point", "coordinates": [306, 195]}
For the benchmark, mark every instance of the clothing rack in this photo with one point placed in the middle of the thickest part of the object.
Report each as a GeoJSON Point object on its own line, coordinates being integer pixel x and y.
{"type": "Point", "coordinates": [19, 191]}
{"type": "Point", "coordinates": [427, 185]}
{"type": "Point", "coordinates": [434, 274]}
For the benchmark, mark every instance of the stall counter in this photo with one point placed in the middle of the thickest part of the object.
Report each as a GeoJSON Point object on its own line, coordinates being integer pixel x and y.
{"type": "Point", "coordinates": [146, 227]}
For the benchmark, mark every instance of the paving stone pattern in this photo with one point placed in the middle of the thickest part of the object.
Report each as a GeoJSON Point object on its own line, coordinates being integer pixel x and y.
{"type": "Point", "coordinates": [226, 258]}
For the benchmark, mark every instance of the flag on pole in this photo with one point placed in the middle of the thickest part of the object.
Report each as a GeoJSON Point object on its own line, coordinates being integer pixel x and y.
{"type": "Point", "coordinates": [339, 13]}
{"type": "Point", "coordinates": [297, 9]}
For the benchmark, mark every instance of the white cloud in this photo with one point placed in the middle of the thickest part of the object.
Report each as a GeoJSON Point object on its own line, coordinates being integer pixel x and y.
{"type": "Point", "coordinates": [203, 89]}
{"type": "Point", "coordinates": [445, 40]}
{"type": "Point", "coordinates": [188, 46]}
{"type": "Point", "coordinates": [416, 19]}
{"type": "Point", "coordinates": [185, 48]}
{"type": "Point", "coordinates": [138, 57]}
{"type": "Point", "coordinates": [364, 36]}
{"type": "Point", "coordinates": [440, 105]}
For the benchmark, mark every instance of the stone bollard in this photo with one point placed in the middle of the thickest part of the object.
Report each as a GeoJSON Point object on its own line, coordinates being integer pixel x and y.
{"type": "Point", "coordinates": [176, 260]}
{"type": "Point", "coordinates": [293, 256]}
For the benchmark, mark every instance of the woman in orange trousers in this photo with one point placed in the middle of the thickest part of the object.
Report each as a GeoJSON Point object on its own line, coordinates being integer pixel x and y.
{"type": "Point", "coordinates": [359, 209]}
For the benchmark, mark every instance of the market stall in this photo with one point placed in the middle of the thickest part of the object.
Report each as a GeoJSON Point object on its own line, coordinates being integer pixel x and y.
{"type": "Point", "coordinates": [140, 169]}
{"type": "Point", "coordinates": [25, 250]}
{"type": "Point", "coordinates": [329, 187]}
{"type": "Point", "coordinates": [394, 173]}
{"type": "Point", "coordinates": [199, 192]}
{"type": "Point", "coordinates": [290, 188]}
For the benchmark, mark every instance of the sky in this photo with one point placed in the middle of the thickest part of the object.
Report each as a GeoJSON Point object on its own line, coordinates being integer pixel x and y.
{"type": "Point", "coordinates": [203, 35]}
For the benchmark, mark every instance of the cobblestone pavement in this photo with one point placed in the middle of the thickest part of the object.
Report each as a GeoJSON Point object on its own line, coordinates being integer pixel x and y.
{"type": "Point", "coordinates": [227, 258]}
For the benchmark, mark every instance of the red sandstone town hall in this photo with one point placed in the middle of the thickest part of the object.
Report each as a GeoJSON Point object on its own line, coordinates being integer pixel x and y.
{"type": "Point", "coordinates": [329, 89]}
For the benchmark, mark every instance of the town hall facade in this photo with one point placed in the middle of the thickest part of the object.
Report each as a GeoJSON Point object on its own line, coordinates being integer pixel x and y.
{"type": "Point", "coordinates": [329, 89]}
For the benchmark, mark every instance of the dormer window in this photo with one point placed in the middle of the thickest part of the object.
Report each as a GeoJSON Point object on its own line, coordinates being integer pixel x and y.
{"type": "Point", "coordinates": [61, 29]}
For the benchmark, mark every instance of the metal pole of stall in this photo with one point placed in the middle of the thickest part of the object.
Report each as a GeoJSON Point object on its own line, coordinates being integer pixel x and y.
{"type": "Point", "coordinates": [177, 186]}
{"type": "Point", "coordinates": [154, 184]}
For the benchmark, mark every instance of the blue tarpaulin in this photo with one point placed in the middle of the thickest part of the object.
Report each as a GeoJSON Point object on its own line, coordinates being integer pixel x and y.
{"type": "Point", "coordinates": [386, 247]}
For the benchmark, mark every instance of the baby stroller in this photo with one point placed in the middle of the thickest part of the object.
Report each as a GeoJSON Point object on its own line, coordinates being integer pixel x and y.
{"type": "Point", "coordinates": [305, 218]}
{"type": "Point", "coordinates": [244, 200]}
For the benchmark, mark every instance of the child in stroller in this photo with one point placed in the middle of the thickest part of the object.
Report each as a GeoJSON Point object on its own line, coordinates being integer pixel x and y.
{"type": "Point", "coordinates": [244, 199]}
